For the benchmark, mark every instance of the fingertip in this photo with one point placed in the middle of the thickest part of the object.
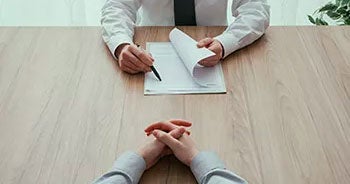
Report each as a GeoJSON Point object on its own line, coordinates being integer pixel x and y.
{"type": "Point", "coordinates": [155, 133]}
{"type": "Point", "coordinates": [181, 122]}
{"type": "Point", "coordinates": [150, 127]}
{"type": "Point", "coordinates": [188, 123]}
{"type": "Point", "coordinates": [182, 130]}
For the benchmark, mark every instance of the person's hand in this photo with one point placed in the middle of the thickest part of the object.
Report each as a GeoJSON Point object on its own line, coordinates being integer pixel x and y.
{"type": "Point", "coordinates": [133, 60]}
{"type": "Point", "coordinates": [183, 148]}
{"type": "Point", "coordinates": [213, 45]}
{"type": "Point", "coordinates": [168, 126]}
{"type": "Point", "coordinates": [154, 149]}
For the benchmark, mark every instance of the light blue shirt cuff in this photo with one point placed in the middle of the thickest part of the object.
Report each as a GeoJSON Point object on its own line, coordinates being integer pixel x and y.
{"type": "Point", "coordinates": [203, 163]}
{"type": "Point", "coordinates": [132, 164]}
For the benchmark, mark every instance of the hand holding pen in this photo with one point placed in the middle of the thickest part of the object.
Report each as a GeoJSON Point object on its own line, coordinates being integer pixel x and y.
{"type": "Point", "coordinates": [132, 59]}
{"type": "Point", "coordinates": [152, 68]}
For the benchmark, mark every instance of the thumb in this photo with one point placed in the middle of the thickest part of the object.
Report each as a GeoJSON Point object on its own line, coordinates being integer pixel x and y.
{"type": "Point", "coordinates": [177, 133]}
{"type": "Point", "coordinates": [166, 139]}
{"type": "Point", "coordinates": [204, 42]}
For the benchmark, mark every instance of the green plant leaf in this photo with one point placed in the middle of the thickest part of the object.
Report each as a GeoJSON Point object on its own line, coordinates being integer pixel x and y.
{"type": "Point", "coordinates": [311, 19]}
{"type": "Point", "coordinates": [321, 22]}
{"type": "Point", "coordinates": [344, 2]}
{"type": "Point", "coordinates": [333, 15]}
{"type": "Point", "coordinates": [337, 10]}
{"type": "Point", "coordinates": [324, 23]}
{"type": "Point", "coordinates": [342, 10]}
{"type": "Point", "coordinates": [347, 21]}
{"type": "Point", "coordinates": [318, 21]}
{"type": "Point", "coordinates": [328, 7]}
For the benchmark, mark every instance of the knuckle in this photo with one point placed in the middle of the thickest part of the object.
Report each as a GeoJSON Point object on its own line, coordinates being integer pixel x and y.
{"type": "Point", "coordinates": [121, 64]}
{"type": "Point", "coordinates": [177, 144]}
{"type": "Point", "coordinates": [128, 48]}
{"type": "Point", "coordinates": [123, 68]}
{"type": "Point", "coordinates": [139, 64]}
{"type": "Point", "coordinates": [123, 54]}
{"type": "Point", "coordinates": [143, 57]}
{"type": "Point", "coordinates": [126, 55]}
{"type": "Point", "coordinates": [162, 136]}
{"type": "Point", "coordinates": [139, 54]}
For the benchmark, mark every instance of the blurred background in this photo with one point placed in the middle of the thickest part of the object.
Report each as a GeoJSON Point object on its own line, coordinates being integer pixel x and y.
{"type": "Point", "coordinates": [87, 12]}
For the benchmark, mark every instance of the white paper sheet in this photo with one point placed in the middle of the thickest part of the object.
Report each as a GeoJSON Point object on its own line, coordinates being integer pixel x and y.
{"type": "Point", "coordinates": [176, 62]}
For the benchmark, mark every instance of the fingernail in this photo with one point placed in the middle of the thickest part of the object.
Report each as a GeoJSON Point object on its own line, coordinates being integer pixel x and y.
{"type": "Point", "coordinates": [183, 130]}
{"type": "Point", "coordinates": [155, 133]}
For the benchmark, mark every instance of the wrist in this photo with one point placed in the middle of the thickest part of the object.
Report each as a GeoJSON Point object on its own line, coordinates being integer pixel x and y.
{"type": "Point", "coordinates": [119, 49]}
{"type": "Point", "coordinates": [143, 153]}
{"type": "Point", "coordinates": [193, 154]}
{"type": "Point", "coordinates": [223, 51]}
{"type": "Point", "coordinates": [151, 152]}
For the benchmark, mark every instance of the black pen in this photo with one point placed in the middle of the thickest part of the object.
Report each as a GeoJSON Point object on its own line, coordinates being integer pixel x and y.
{"type": "Point", "coordinates": [153, 68]}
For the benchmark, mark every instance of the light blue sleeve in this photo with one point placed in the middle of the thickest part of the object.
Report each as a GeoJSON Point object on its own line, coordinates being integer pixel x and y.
{"type": "Point", "coordinates": [209, 169]}
{"type": "Point", "coordinates": [127, 169]}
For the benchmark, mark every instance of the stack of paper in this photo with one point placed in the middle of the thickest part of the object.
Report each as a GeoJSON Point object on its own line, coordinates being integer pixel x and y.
{"type": "Point", "coordinates": [177, 64]}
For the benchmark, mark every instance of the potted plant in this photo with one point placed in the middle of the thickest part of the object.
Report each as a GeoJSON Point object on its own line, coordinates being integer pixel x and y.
{"type": "Point", "coordinates": [338, 12]}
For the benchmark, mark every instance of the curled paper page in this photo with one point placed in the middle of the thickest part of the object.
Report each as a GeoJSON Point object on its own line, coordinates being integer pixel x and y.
{"type": "Point", "coordinates": [190, 54]}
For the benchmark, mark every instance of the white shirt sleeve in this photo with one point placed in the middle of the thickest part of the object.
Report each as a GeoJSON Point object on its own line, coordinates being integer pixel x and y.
{"type": "Point", "coordinates": [252, 19]}
{"type": "Point", "coordinates": [118, 21]}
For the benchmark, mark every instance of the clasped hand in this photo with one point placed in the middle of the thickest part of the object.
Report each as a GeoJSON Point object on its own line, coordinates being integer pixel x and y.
{"type": "Point", "coordinates": [170, 137]}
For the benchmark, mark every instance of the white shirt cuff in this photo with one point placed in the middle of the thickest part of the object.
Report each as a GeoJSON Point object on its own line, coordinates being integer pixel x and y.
{"type": "Point", "coordinates": [115, 41]}
{"type": "Point", "coordinates": [229, 42]}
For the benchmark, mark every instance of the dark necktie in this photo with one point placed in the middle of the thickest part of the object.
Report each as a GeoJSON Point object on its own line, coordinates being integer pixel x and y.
{"type": "Point", "coordinates": [184, 13]}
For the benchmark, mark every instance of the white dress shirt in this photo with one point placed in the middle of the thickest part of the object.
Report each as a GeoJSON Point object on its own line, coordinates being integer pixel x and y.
{"type": "Point", "coordinates": [119, 17]}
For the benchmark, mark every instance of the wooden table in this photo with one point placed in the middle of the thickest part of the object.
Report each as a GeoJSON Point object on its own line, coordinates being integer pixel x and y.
{"type": "Point", "coordinates": [67, 111]}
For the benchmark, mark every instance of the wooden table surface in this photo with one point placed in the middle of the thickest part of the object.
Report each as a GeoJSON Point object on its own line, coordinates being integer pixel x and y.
{"type": "Point", "coordinates": [67, 111]}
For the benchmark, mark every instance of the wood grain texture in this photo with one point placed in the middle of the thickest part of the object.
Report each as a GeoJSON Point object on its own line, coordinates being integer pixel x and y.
{"type": "Point", "coordinates": [67, 111]}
